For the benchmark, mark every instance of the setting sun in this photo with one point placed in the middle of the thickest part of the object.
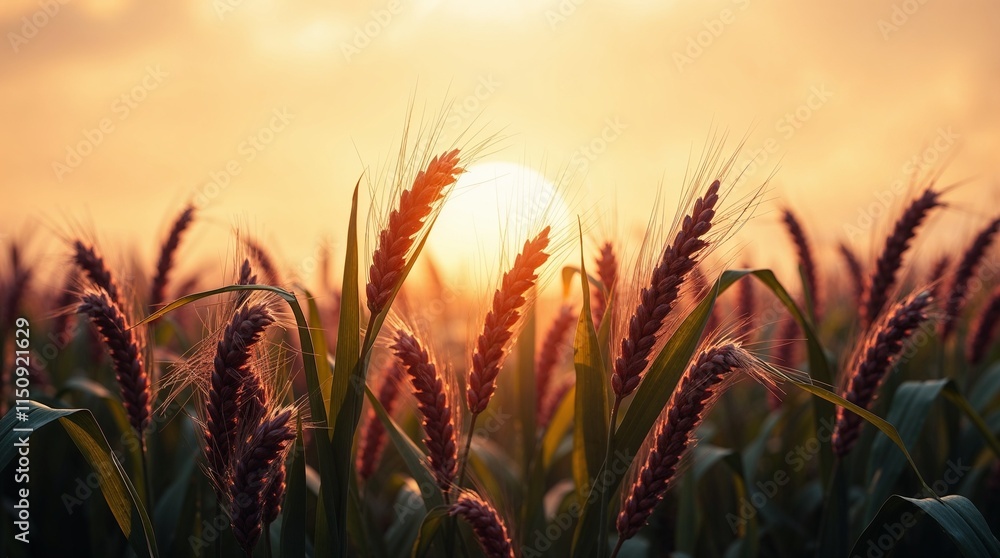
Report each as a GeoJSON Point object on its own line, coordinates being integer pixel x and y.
{"type": "Point", "coordinates": [491, 204]}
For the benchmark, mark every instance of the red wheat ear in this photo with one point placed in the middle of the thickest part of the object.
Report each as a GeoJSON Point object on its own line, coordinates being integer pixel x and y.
{"type": "Point", "coordinates": [246, 277]}
{"type": "Point", "coordinates": [806, 261]}
{"type": "Point", "coordinates": [891, 258]}
{"type": "Point", "coordinates": [254, 472]}
{"type": "Point", "coordinates": [166, 261]}
{"type": "Point", "coordinates": [964, 273]}
{"type": "Point", "coordinates": [938, 271]}
{"type": "Point", "coordinates": [672, 438]}
{"type": "Point", "coordinates": [432, 402]}
{"type": "Point", "coordinates": [985, 329]}
{"type": "Point", "coordinates": [405, 222]}
{"type": "Point", "coordinates": [881, 349]}
{"type": "Point", "coordinates": [855, 271]}
{"type": "Point", "coordinates": [498, 328]}
{"type": "Point", "coordinates": [234, 393]}
{"type": "Point", "coordinates": [658, 298]}
{"type": "Point", "coordinates": [264, 261]}
{"type": "Point", "coordinates": [607, 272]}
{"type": "Point", "coordinates": [551, 352]}
{"type": "Point", "coordinates": [127, 358]}
{"type": "Point", "coordinates": [92, 265]}
{"type": "Point", "coordinates": [372, 439]}
{"type": "Point", "coordinates": [486, 524]}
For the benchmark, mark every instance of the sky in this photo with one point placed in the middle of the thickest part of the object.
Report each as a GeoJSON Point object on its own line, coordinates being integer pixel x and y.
{"type": "Point", "coordinates": [266, 113]}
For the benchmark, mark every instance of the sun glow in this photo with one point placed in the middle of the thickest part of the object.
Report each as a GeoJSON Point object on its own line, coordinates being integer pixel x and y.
{"type": "Point", "coordinates": [492, 205]}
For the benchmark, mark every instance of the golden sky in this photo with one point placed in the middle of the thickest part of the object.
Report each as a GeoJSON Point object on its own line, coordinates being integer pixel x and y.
{"type": "Point", "coordinates": [116, 112]}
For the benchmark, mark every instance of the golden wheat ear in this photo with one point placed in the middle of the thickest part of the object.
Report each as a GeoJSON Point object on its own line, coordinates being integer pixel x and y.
{"type": "Point", "coordinates": [405, 223]}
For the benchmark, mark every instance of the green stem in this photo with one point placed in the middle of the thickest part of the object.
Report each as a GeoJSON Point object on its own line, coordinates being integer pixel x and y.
{"type": "Point", "coordinates": [145, 475]}
{"type": "Point", "coordinates": [466, 452]}
{"type": "Point", "coordinates": [618, 546]}
{"type": "Point", "coordinates": [602, 534]}
{"type": "Point", "coordinates": [267, 541]}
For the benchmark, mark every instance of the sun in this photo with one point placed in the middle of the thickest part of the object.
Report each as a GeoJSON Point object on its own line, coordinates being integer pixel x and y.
{"type": "Point", "coordinates": [491, 205]}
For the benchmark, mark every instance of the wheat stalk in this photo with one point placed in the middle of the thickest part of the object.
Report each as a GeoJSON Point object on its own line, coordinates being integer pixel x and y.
{"type": "Point", "coordinates": [882, 347]}
{"type": "Point", "coordinates": [432, 402]}
{"type": "Point", "coordinates": [126, 356]}
{"type": "Point", "coordinates": [165, 262]}
{"type": "Point", "coordinates": [235, 394]}
{"type": "Point", "coordinates": [372, 439]}
{"type": "Point", "coordinates": [963, 274]}
{"type": "Point", "coordinates": [807, 263]}
{"type": "Point", "coordinates": [253, 474]}
{"type": "Point", "coordinates": [891, 259]}
{"type": "Point", "coordinates": [985, 329]}
{"type": "Point", "coordinates": [492, 345]}
{"type": "Point", "coordinates": [264, 261]}
{"type": "Point", "coordinates": [937, 273]}
{"type": "Point", "coordinates": [486, 523]}
{"type": "Point", "coordinates": [92, 265]}
{"type": "Point", "coordinates": [607, 272]}
{"type": "Point", "coordinates": [675, 433]}
{"type": "Point", "coordinates": [855, 271]}
{"type": "Point", "coordinates": [405, 222]}
{"type": "Point", "coordinates": [658, 298]}
{"type": "Point", "coordinates": [551, 352]}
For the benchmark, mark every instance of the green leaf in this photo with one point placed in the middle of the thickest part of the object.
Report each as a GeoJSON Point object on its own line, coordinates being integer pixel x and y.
{"type": "Point", "coordinates": [873, 419]}
{"type": "Point", "coordinates": [911, 405]}
{"type": "Point", "coordinates": [348, 336]}
{"type": "Point", "coordinates": [689, 519]}
{"type": "Point", "coordinates": [951, 393]}
{"type": "Point", "coordinates": [114, 406]}
{"type": "Point", "coordinates": [957, 517]}
{"type": "Point", "coordinates": [590, 430]}
{"type": "Point", "coordinates": [414, 459]}
{"type": "Point", "coordinates": [118, 492]}
{"type": "Point", "coordinates": [324, 373]}
{"type": "Point", "coordinates": [293, 512]}
{"type": "Point", "coordinates": [429, 527]}
{"type": "Point", "coordinates": [560, 422]}
{"type": "Point", "coordinates": [986, 389]}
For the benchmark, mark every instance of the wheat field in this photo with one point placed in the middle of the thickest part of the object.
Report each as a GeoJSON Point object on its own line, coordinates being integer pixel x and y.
{"type": "Point", "coordinates": [608, 394]}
